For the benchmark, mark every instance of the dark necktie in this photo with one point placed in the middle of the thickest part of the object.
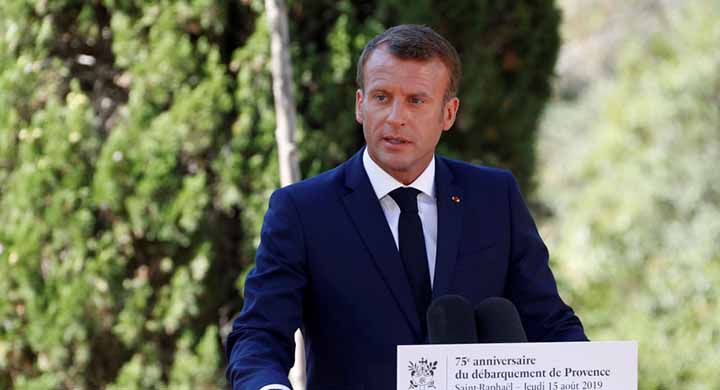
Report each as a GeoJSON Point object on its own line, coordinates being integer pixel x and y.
{"type": "Point", "coordinates": [412, 250]}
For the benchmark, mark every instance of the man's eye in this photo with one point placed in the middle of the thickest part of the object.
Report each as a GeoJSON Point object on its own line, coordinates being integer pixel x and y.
{"type": "Point", "coordinates": [380, 98]}
{"type": "Point", "coordinates": [417, 100]}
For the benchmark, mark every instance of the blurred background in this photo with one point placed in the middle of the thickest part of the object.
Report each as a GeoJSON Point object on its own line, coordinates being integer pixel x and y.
{"type": "Point", "coordinates": [137, 155]}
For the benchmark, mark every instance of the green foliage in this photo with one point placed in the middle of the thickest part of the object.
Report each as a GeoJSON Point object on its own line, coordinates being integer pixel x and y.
{"type": "Point", "coordinates": [137, 155]}
{"type": "Point", "coordinates": [117, 248]}
{"type": "Point", "coordinates": [636, 224]}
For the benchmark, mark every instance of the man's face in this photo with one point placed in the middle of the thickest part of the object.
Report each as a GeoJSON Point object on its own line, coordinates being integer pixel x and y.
{"type": "Point", "coordinates": [402, 112]}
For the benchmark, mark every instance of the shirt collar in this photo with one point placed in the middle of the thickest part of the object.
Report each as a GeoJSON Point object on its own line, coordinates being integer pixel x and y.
{"type": "Point", "coordinates": [383, 183]}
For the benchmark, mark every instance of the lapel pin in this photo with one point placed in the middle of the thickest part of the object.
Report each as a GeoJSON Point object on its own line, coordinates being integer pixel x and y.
{"type": "Point", "coordinates": [455, 199]}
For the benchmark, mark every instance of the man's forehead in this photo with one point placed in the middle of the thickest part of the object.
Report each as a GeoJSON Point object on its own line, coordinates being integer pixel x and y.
{"type": "Point", "coordinates": [383, 55]}
{"type": "Point", "coordinates": [384, 66]}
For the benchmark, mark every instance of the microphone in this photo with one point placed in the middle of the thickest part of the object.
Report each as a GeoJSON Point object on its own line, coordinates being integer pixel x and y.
{"type": "Point", "coordinates": [451, 320]}
{"type": "Point", "coordinates": [498, 321]}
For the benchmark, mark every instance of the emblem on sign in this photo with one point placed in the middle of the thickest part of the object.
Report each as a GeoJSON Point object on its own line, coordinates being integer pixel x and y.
{"type": "Point", "coordinates": [422, 375]}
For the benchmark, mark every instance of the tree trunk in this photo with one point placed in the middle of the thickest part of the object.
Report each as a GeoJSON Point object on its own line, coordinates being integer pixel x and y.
{"type": "Point", "coordinates": [285, 135]}
{"type": "Point", "coordinates": [282, 91]}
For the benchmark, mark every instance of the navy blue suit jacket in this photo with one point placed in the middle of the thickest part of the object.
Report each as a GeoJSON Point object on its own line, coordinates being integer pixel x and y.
{"type": "Point", "coordinates": [327, 262]}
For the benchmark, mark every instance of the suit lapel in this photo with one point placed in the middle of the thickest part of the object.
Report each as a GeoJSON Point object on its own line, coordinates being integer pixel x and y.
{"type": "Point", "coordinates": [364, 208]}
{"type": "Point", "coordinates": [450, 206]}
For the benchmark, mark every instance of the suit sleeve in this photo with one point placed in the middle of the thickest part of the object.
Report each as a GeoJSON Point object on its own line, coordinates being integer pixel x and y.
{"type": "Point", "coordinates": [531, 285]}
{"type": "Point", "coordinates": [260, 348]}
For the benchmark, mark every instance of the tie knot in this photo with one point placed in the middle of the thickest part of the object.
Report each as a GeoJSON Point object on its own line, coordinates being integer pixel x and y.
{"type": "Point", "coordinates": [406, 198]}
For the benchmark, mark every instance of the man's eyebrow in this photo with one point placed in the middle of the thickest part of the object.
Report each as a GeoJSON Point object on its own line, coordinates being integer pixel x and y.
{"type": "Point", "coordinates": [418, 94]}
{"type": "Point", "coordinates": [423, 95]}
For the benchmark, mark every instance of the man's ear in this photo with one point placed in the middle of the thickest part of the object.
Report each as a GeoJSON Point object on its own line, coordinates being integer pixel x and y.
{"type": "Point", "coordinates": [358, 105]}
{"type": "Point", "coordinates": [450, 113]}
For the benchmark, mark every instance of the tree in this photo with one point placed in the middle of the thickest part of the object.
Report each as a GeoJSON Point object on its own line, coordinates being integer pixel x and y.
{"type": "Point", "coordinates": [632, 180]}
{"type": "Point", "coordinates": [137, 154]}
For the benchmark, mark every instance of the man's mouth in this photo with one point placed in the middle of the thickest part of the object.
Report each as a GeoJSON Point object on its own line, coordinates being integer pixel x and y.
{"type": "Point", "coordinates": [395, 140]}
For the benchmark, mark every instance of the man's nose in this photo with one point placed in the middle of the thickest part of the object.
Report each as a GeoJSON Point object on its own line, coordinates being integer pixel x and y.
{"type": "Point", "coordinates": [398, 114]}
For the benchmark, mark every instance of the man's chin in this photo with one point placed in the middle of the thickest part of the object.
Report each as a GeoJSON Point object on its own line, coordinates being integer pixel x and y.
{"type": "Point", "coordinates": [392, 163]}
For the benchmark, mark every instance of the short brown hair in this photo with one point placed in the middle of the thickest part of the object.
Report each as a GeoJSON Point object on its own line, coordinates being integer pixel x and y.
{"type": "Point", "coordinates": [415, 42]}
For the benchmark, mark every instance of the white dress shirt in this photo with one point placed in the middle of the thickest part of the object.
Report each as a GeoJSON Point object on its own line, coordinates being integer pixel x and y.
{"type": "Point", "coordinates": [382, 183]}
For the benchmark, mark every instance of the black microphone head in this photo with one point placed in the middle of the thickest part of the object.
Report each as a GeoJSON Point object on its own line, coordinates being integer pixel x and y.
{"type": "Point", "coordinates": [451, 320]}
{"type": "Point", "coordinates": [498, 321]}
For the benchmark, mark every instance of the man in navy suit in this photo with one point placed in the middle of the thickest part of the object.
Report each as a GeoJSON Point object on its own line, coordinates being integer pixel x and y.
{"type": "Point", "coordinates": [346, 257]}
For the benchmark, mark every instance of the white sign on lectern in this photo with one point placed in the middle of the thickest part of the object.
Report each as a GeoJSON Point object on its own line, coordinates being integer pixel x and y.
{"type": "Point", "coordinates": [608, 365]}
